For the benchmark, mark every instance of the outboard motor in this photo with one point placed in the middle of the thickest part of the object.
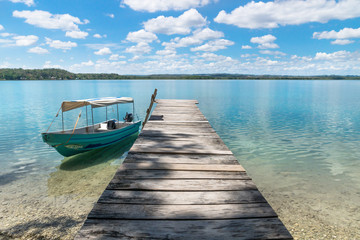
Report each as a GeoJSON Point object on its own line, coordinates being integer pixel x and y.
{"type": "Point", "coordinates": [128, 117]}
{"type": "Point", "coordinates": [111, 124]}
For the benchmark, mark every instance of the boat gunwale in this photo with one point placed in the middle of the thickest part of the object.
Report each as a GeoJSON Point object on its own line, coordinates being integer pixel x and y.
{"type": "Point", "coordinates": [69, 131]}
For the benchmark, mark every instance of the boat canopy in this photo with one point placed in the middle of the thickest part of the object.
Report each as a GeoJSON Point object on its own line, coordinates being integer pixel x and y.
{"type": "Point", "coordinates": [95, 102]}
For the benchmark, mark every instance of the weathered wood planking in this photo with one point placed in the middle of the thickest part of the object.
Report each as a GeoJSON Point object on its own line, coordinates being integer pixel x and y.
{"type": "Point", "coordinates": [182, 184]}
{"type": "Point", "coordinates": [180, 181]}
{"type": "Point", "coordinates": [134, 157]}
{"type": "Point", "coordinates": [267, 228]}
{"type": "Point", "coordinates": [183, 197]}
{"type": "Point", "coordinates": [181, 212]}
{"type": "Point", "coordinates": [186, 167]}
{"type": "Point", "coordinates": [174, 174]}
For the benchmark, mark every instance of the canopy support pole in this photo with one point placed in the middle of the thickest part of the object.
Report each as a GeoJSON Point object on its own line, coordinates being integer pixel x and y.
{"type": "Point", "coordinates": [62, 119]}
{"type": "Point", "coordinates": [87, 122]}
{"type": "Point", "coordinates": [134, 109]}
{"type": "Point", "coordinates": [117, 106]}
{"type": "Point", "coordinates": [106, 113]}
{"type": "Point", "coordinates": [92, 118]}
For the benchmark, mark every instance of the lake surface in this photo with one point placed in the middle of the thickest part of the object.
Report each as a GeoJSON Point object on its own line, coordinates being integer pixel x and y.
{"type": "Point", "coordinates": [298, 140]}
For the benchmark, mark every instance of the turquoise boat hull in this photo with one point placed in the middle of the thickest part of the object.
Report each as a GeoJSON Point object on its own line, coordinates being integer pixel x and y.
{"type": "Point", "coordinates": [68, 144]}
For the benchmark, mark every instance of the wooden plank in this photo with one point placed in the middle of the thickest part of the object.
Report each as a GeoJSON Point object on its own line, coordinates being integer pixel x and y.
{"type": "Point", "coordinates": [162, 129]}
{"type": "Point", "coordinates": [178, 110]}
{"type": "Point", "coordinates": [176, 114]}
{"type": "Point", "coordinates": [179, 158]}
{"type": "Point", "coordinates": [199, 142]}
{"type": "Point", "coordinates": [179, 124]}
{"type": "Point", "coordinates": [181, 212]}
{"type": "Point", "coordinates": [166, 174]}
{"type": "Point", "coordinates": [177, 137]}
{"type": "Point", "coordinates": [270, 228]}
{"type": "Point", "coordinates": [176, 102]}
{"type": "Point", "coordinates": [177, 121]}
{"type": "Point", "coordinates": [182, 185]}
{"type": "Point", "coordinates": [177, 117]}
{"type": "Point", "coordinates": [168, 197]}
{"type": "Point", "coordinates": [192, 145]}
{"type": "Point", "coordinates": [203, 140]}
{"type": "Point", "coordinates": [183, 167]}
{"type": "Point", "coordinates": [176, 150]}
{"type": "Point", "coordinates": [186, 111]}
{"type": "Point", "coordinates": [174, 134]}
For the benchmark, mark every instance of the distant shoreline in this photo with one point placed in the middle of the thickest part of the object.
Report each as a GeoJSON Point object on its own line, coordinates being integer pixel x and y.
{"type": "Point", "coordinates": [19, 74]}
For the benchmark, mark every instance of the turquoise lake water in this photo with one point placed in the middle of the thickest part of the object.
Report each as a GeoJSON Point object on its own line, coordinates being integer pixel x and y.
{"type": "Point", "coordinates": [298, 140]}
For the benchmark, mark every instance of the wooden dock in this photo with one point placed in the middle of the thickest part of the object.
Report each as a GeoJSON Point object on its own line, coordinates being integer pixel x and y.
{"type": "Point", "coordinates": [180, 181]}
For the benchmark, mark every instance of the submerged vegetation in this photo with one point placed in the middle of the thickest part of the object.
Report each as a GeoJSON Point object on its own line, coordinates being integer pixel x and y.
{"type": "Point", "coordinates": [60, 74]}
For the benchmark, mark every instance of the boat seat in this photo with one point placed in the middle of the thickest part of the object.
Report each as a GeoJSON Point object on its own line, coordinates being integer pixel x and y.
{"type": "Point", "coordinates": [103, 127]}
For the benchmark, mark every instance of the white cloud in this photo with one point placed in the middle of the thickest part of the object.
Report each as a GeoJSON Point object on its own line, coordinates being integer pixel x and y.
{"type": "Point", "coordinates": [214, 57]}
{"type": "Point", "coordinates": [248, 55]}
{"type": "Point", "coordinates": [5, 65]}
{"type": "Point", "coordinates": [267, 62]}
{"type": "Point", "coordinates": [49, 65]}
{"type": "Point", "coordinates": [103, 51]}
{"type": "Point", "coordinates": [47, 20]}
{"type": "Point", "coordinates": [38, 50]}
{"type": "Point", "coordinates": [141, 36]}
{"type": "Point", "coordinates": [342, 34]}
{"type": "Point", "coordinates": [136, 57]}
{"type": "Point", "coordinates": [6, 42]}
{"type": "Point", "coordinates": [213, 46]}
{"type": "Point", "coordinates": [164, 5]}
{"type": "Point", "coordinates": [335, 56]}
{"type": "Point", "coordinates": [29, 3]}
{"type": "Point", "coordinates": [246, 47]}
{"type": "Point", "coordinates": [1, 27]}
{"type": "Point", "coordinates": [59, 44]}
{"type": "Point", "coordinates": [96, 35]}
{"type": "Point", "coordinates": [139, 49]}
{"type": "Point", "coordinates": [176, 25]}
{"type": "Point", "coordinates": [115, 57]}
{"type": "Point", "coordinates": [207, 34]}
{"type": "Point", "coordinates": [166, 52]}
{"type": "Point", "coordinates": [25, 40]}
{"type": "Point", "coordinates": [77, 34]}
{"type": "Point", "coordinates": [198, 37]}
{"type": "Point", "coordinates": [292, 12]}
{"type": "Point", "coordinates": [342, 42]}
{"type": "Point", "coordinates": [97, 46]}
{"type": "Point", "coordinates": [266, 41]}
{"type": "Point", "coordinates": [88, 63]}
{"type": "Point", "coordinates": [88, 66]}
{"type": "Point", "coordinates": [110, 15]}
{"type": "Point", "coordinates": [268, 52]}
{"type": "Point", "coordinates": [6, 34]}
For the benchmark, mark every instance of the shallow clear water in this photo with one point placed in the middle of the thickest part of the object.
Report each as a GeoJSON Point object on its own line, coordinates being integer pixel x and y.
{"type": "Point", "coordinates": [299, 140]}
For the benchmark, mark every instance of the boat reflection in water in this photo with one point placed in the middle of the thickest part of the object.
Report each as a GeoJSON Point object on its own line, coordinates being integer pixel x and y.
{"type": "Point", "coordinates": [87, 174]}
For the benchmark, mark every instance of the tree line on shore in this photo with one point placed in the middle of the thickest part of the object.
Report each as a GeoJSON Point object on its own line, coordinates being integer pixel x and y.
{"type": "Point", "coordinates": [60, 74]}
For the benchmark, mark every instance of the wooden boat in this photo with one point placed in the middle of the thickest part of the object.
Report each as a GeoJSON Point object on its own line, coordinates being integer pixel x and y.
{"type": "Point", "coordinates": [95, 136]}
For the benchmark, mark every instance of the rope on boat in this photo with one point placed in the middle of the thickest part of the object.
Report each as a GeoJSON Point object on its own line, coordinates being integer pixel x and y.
{"type": "Point", "coordinates": [71, 133]}
{"type": "Point", "coordinates": [57, 114]}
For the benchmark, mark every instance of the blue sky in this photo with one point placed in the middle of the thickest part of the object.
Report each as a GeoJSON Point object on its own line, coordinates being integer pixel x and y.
{"type": "Point", "coordinates": [287, 37]}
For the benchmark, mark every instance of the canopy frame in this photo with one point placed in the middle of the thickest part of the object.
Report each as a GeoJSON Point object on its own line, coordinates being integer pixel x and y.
{"type": "Point", "coordinates": [95, 103]}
